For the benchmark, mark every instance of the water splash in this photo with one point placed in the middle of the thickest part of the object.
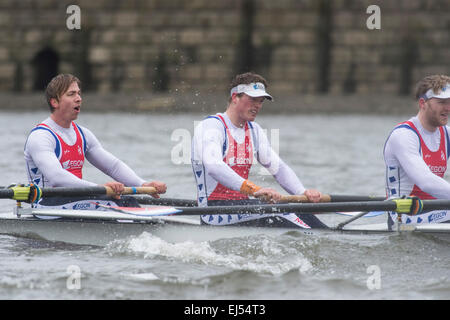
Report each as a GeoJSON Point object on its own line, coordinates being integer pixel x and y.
{"type": "Point", "coordinates": [255, 254]}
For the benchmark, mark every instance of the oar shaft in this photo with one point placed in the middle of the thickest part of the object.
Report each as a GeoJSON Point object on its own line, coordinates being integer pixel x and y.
{"type": "Point", "coordinates": [286, 199]}
{"type": "Point", "coordinates": [351, 198]}
{"type": "Point", "coordinates": [330, 198]}
{"type": "Point", "coordinates": [397, 205]}
{"type": "Point", "coordinates": [430, 205]}
{"type": "Point", "coordinates": [6, 193]}
{"type": "Point", "coordinates": [315, 208]}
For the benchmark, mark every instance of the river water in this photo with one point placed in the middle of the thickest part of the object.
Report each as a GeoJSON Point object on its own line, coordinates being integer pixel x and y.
{"type": "Point", "coordinates": [337, 154]}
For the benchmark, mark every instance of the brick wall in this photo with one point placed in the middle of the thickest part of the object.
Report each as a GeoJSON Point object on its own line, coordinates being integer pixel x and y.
{"type": "Point", "coordinates": [178, 46]}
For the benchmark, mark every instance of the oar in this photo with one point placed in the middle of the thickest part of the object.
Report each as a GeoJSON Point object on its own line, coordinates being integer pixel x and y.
{"type": "Point", "coordinates": [405, 206]}
{"type": "Point", "coordinates": [32, 193]}
{"type": "Point", "coordinates": [285, 199]}
{"type": "Point", "coordinates": [316, 208]}
{"type": "Point", "coordinates": [410, 206]}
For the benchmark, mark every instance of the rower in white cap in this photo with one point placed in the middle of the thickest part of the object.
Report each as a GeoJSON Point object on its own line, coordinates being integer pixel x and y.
{"type": "Point", "coordinates": [416, 152]}
{"type": "Point", "coordinates": [223, 150]}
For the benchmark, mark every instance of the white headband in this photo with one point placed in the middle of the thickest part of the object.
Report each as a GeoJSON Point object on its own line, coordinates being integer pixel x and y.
{"type": "Point", "coordinates": [252, 89]}
{"type": "Point", "coordinates": [443, 94]}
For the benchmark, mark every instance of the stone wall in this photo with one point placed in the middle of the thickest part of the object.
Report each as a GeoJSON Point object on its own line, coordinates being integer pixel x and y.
{"type": "Point", "coordinates": [180, 46]}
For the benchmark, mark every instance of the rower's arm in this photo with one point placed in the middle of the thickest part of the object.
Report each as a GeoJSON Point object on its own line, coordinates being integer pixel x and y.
{"type": "Point", "coordinates": [108, 163]}
{"type": "Point", "coordinates": [269, 159]}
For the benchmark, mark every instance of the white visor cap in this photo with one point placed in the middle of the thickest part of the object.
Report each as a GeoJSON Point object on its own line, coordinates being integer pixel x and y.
{"type": "Point", "coordinates": [443, 94]}
{"type": "Point", "coordinates": [252, 89]}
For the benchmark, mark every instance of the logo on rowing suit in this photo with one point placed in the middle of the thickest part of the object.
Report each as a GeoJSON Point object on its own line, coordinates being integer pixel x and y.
{"type": "Point", "coordinates": [437, 169]}
{"type": "Point", "coordinates": [238, 160]}
{"type": "Point", "coordinates": [79, 150]}
{"type": "Point", "coordinates": [442, 155]}
{"type": "Point", "coordinates": [72, 164]}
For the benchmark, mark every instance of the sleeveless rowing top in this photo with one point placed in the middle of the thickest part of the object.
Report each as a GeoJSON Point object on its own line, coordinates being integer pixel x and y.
{"type": "Point", "coordinates": [435, 160]}
{"type": "Point", "coordinates": [71, 157]}
{"type": "Point", "coordinates": [238, 157]}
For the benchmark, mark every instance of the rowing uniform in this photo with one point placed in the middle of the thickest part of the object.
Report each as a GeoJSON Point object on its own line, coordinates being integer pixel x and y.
{"type": "Point", "coordinates": [222, 156]}
{"type": "Point", "coordinates": [416, 161]}
{"type": "Point", "coordinates": [55, 157]}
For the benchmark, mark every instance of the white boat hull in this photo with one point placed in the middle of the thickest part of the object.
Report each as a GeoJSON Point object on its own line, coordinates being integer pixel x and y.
{"type": "Point", "coordinates": [90, 230]}
{"type": "Point", "coordinates": [102, 232]}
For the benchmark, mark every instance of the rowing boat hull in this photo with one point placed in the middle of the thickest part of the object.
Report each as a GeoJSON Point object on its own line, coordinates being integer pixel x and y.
{"type": "Point", "coordinates": [169, 228]}
{"type": "Point", "coordinates": [83, 232]}
{"type": "Point", "coordinates": [102, 232]}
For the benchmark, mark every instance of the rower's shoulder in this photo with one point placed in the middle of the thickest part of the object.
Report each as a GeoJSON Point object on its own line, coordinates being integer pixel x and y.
{"type": "Point", "coordinates": [403, 132]}
{"type": "Point", "coordinates": [212, 121]}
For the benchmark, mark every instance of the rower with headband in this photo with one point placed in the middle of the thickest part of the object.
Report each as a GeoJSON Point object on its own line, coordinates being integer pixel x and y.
{"type": "Point", "coordinates": [417, 151]}
{"type": "Point", "coordinates": [224, 148]}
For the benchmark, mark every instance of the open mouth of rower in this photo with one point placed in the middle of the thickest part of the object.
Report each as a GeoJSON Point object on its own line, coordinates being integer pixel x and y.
{"type": "Point", "coordinates": [77, 108]}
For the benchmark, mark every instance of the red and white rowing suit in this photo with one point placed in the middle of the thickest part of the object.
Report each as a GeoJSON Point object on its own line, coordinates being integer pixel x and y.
{"type": "Point", "coordinates": [222, 156]}
{"type": "Point", "coordinates": [55, 156]}
{"type": "Point", "coordinates": [239, 157]}
{"type": "Point", "coordinates": [416, 161]}
{"type": "Point", "coordinates": [70, 157]}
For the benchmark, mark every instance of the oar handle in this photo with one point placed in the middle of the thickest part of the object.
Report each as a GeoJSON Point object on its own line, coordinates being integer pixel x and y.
{"type": "Point", "coordinates": [133, 190]}
{"type": "Point", "coordinates": [302, 198]}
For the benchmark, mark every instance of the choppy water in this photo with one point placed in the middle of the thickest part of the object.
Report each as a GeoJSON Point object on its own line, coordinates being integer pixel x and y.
{"type": "Point", "coordinates": [336, 154]}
